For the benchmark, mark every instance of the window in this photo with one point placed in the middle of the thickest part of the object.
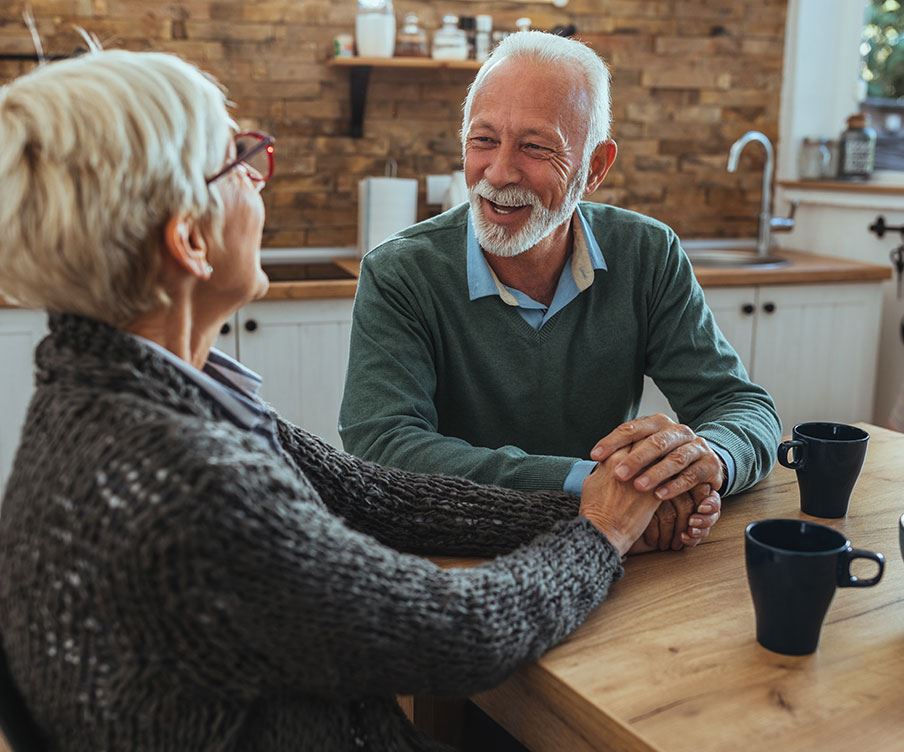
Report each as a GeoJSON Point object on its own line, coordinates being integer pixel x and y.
{"type": "Point", "coordinates": [882, 71]}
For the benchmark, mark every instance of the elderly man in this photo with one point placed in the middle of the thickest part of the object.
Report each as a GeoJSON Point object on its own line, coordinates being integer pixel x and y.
{"type": "Point", "coordinates": [502, 339]}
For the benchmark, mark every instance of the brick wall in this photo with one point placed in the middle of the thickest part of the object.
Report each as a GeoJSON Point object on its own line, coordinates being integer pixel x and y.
{"type": "Point", "coordinates": [689, 77]}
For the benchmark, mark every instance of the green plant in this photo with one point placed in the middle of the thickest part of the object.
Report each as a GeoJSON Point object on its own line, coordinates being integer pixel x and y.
{"type": "Point", "coordinates": [882, 49]}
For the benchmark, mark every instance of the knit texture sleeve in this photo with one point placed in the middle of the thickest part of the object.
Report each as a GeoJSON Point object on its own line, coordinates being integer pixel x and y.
{"type": "Point", "coordinates": [256, 587]}
{"type": "Point", "coordinates": [423, 513]}
{"type": "Point", "coordinates": [388, 414]}
{"type": "Point", "coordinates": [701, 374]}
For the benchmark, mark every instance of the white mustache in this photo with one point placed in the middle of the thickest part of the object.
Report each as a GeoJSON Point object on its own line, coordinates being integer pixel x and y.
{"type": "Point", "coordinates": [511, 195]}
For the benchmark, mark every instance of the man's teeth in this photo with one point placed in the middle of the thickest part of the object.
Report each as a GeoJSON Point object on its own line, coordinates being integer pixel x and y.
{"type": "Point", "coordinates": [500, 209]}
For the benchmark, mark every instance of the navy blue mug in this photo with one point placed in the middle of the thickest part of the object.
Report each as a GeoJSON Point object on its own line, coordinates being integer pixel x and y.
{"type": "Point", "coordinates": [827, 458]}
{"type": "Point", "coordinates": [901, 534]}
{"type": "Point", "coordinates": [793, 568]}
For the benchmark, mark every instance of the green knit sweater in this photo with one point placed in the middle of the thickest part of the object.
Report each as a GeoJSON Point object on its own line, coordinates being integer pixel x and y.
{"type": "Point", "coordinates": [439, 383]}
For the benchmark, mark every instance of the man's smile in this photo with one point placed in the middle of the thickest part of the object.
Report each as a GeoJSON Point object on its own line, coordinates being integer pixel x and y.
{"type": "Point", "coordinates": [501, 212]}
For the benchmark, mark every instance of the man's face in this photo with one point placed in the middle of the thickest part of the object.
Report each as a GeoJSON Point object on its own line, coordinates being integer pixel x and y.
{"type": "Point", "coordinates": [524, 154]}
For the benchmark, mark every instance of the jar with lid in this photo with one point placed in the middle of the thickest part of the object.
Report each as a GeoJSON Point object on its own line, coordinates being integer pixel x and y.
{"type": "Point", "coordinates": [412, 41]}
{"type": "Point", "coordinates": [857, 150]}
{"type": "Point", "coordinates": [469, 26]}
{"type": "Point", "coordinates": [483, 38]}
{"type": "Point", "coordinates": [450, 42]}
{"type": "Point", "coordinates": [375, 28]}
{"type": "Point", "coordinates": [523, 24]}
{"type": "Point", "coordinates": [814, 161]}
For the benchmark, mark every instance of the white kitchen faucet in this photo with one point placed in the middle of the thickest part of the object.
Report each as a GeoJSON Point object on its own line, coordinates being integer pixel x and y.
{"type": "Point", "coordinates": [768, 224]}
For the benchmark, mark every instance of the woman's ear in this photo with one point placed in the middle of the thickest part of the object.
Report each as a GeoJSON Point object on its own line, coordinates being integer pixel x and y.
{"type": "Point", "coordinates": [184, 243]}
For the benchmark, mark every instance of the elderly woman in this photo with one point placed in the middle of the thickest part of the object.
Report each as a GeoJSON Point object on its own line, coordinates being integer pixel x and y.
{"type": "Point", "coordinates": [180, 569]}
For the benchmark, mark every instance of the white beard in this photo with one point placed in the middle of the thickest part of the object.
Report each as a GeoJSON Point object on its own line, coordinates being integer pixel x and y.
{"type": "Point", "coordinates": [498, 240]}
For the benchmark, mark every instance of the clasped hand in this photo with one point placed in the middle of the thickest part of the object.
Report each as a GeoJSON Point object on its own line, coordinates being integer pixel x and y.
{"type": "Point", "coordinates": [678, 467]}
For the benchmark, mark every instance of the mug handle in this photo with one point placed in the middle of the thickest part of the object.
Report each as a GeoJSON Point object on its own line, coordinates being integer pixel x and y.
{"type": "Point", "coordinates": [784, 449]}
{"type": "Point", "coordinates": [846, 579]}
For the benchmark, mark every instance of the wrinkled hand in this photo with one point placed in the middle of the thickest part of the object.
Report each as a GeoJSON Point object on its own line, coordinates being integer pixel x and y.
{"type": "Point", "coordinates": [683, 521]}
{"type": "Point", "coordinates": [666, 456]}
{"type": "Point", "coordinates": [615, 508]}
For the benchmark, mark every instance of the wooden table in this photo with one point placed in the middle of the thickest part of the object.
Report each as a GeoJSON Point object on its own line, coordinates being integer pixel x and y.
{"type": "Point", "coordinates": [670, 661]}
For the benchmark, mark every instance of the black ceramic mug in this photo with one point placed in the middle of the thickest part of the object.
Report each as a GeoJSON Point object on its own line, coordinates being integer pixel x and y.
{"type": "Point", "coordinates": [793, 568]}
{"type": "Point", "coordinates": [901, 534]}
{"type": "Point", "coordinates": [827, 458]}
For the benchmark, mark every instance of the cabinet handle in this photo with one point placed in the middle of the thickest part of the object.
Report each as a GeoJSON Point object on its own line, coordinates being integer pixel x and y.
{"type": "Point", "coordinates": [250, 325]}
{"type": "Point", "coordinates": [747, 309]}
{"type": "Point", "coordinates": [769, 307]}
{"type": "Point", "coordinates": [225, 329]}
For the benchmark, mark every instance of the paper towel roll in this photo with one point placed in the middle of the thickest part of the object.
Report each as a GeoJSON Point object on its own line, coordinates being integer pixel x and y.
{"type": "Point", "coordinates": [385, 206]}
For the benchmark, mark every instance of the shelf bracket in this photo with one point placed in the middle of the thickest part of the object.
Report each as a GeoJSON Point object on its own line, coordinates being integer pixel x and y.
{"type": "Point", "coordinates": [32, 57]}
{"type": "Point", "coordinates": [359, 79]}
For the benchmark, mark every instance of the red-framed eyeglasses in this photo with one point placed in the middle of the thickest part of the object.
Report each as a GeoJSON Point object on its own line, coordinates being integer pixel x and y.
{"type": "Point", "coordinates": [254, 150]}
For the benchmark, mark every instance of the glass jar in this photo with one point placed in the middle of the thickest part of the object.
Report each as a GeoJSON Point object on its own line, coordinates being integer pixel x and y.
{"type": "Point", "coordinates": [857, 150]}
{"type": "Point", "coordinates": [450, 42]}
{"type": "Point", "coordinates": [483, 39]}
{"type": "Point", "coordinates": [375, 28]}
{"type": "Point", "coordinates": [468, 25]}
{"type": "Point", "coordinates": [815, 159]}
{"type": "Point", "coordinates": [412, 41]}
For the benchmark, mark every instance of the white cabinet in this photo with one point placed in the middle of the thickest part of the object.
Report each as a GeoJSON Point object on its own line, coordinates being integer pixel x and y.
{"type": "Point", "coordinates": [816, 352]}
{"type": "Point", "coordinates": [228, 338]}
{"type": "Point", "coordinates": [300, 349]}
{"type": "Point", "coordinates": [20, 332]}
{"type": "Point", "coordinates": [813, 347]}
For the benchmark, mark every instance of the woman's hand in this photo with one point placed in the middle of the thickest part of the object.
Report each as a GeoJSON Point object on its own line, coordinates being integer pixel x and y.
{"type": "Point", "coordinates": [616, 509]}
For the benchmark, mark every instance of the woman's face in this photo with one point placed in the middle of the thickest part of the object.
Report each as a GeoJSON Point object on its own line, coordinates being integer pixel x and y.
{"type": "Point", "coordinates": [237, 276]}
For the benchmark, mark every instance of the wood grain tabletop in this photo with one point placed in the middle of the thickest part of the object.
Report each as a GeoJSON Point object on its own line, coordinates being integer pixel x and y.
{"type": "Point", "coordinates": [670, 661]}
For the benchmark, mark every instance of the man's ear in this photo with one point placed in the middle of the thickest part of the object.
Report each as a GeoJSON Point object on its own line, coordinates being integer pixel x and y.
{"type": "Point", "coordinates": [185, 245]}
{"type": "Point", "coordinates": [601, 160]}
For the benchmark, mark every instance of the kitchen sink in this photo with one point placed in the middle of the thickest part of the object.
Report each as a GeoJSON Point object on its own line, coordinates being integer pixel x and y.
{"type": "Point", "coordinates": [736, 259]}
{"type": "Point", "coordinates": [304, 272]}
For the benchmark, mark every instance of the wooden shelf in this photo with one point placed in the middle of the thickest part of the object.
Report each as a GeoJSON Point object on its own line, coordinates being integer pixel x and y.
{"type": "Point", "coordinates": [405, 62]}
{"type": "Point", "coordinates": [842, 185]}
{"type": "Point", "coordinates": [360, 68]}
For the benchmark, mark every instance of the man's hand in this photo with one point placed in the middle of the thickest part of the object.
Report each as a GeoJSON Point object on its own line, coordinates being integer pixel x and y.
{"type": "Point", "coordinates": [666, 456]}
{"type": "Point", "coordinates": [677, 524]}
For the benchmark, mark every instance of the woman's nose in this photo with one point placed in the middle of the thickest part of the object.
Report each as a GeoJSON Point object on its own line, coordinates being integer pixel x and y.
{"type": "Point", "coordinates": [256, 178]}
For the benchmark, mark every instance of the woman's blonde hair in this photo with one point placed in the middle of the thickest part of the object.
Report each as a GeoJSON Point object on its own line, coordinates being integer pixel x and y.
{"type": "Point", "coordinates": [96, 154]}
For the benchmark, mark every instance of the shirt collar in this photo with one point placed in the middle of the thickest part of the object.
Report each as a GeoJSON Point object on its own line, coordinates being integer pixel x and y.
{"type": "Point", "coordinates": [585, 258]}
{"type": "Point", "coordinates": [226, 381]}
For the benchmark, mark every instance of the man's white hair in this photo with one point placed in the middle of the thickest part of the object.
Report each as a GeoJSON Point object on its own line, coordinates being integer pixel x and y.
{"type": "Point", "coordinates": [96, 154]}
{"type": "Point", "coordinates": [555, 51]}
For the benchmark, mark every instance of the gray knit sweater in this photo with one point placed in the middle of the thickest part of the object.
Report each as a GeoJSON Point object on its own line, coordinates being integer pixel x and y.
{"type": "Point", "coordinates": [167, 582]}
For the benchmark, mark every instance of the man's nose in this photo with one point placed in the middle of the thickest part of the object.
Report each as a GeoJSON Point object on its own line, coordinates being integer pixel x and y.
{"type": "Point", "coordinates": [503, 168]}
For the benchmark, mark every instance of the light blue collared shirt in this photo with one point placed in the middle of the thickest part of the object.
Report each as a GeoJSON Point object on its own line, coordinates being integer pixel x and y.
{"type": "Point", "coordinates": [577, 275]}
{"type": "Point", "coordinates": [232, 386]}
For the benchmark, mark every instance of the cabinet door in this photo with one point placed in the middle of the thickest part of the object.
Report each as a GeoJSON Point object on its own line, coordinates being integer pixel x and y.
{"type": "Point", "coordinates": [816, 348]}
{"type": "Point", "coordinates": [20, 332]}
{"type": "Point", "coordinates": [227, 340]}
{"type": "Point", "coordinates": [733, 308]}
{"type": "Point", "coordinates": [300, 349]}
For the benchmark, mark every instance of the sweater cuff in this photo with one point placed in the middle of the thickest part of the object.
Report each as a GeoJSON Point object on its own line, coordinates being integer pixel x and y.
{"type": "Point", "coordinates": [540, 472]}
{"type": "Point", "coordinates": [728, 464]}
